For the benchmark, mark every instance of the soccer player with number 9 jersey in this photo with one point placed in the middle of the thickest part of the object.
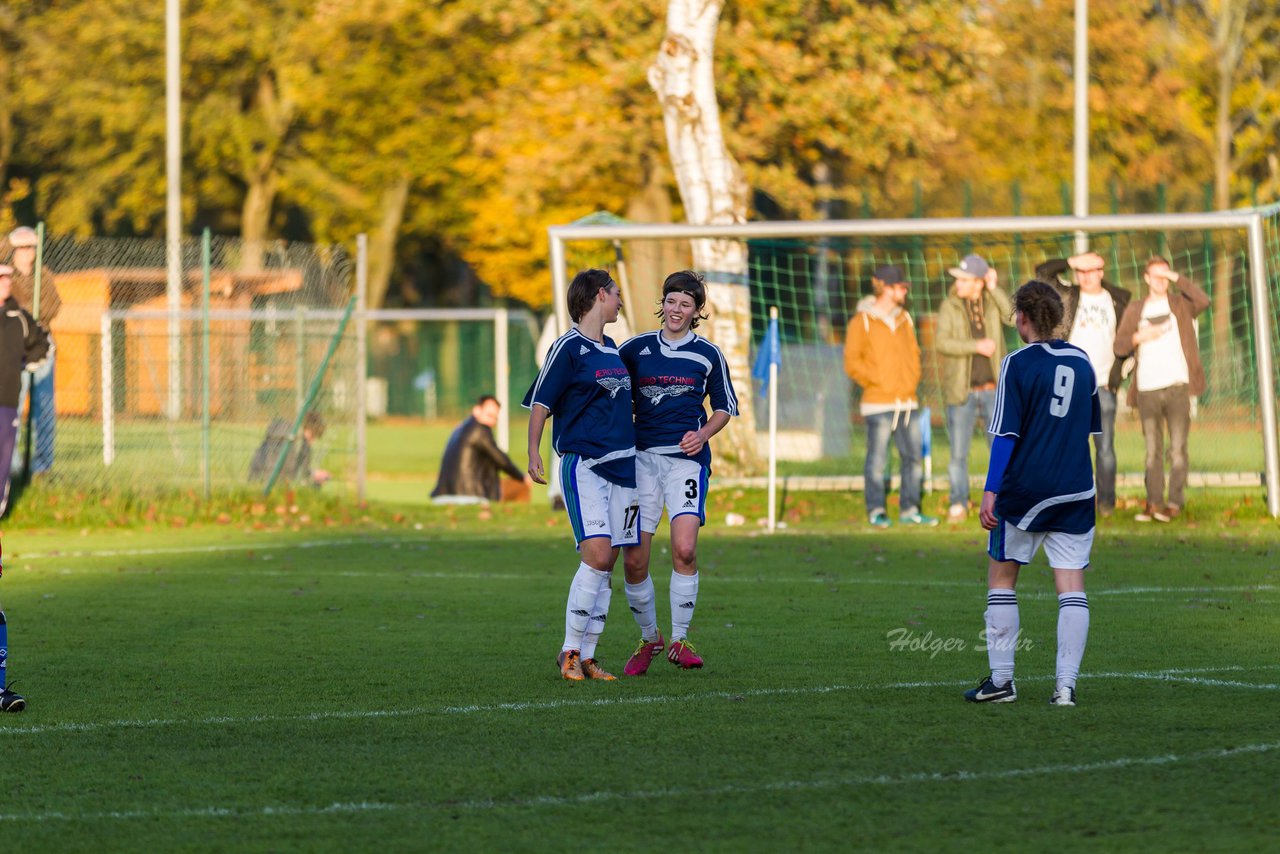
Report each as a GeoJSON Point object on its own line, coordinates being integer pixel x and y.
{"type": "Point", "coordinates": [1040, 490]}
{"type": "Point", "coordinates": [673, 370]}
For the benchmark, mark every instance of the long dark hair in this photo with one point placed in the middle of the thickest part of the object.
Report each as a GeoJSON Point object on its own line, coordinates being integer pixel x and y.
{"type": "Point", "coordinates": [1039, 303]}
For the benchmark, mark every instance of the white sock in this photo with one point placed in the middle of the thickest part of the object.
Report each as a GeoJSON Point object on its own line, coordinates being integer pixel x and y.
{"type": "Point", "coordinates": [582, 600]}
{"type": "Point", "coordinates": [1002, 633]}
{"type": "Point", "coordinates": [1073, 633]}
{"type": "Point", "coordinates": [640, 597]}
{"type": "Point", "coordinates": [684, 598]}
{"type": "Point", "coordinates": [595, 625]}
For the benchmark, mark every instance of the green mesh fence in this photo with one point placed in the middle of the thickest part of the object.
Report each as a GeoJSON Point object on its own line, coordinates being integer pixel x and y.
{"type": "Point", "coordinates": [140, 407]}
{"type": "Point", "coordinates": [817, 283]}
{"type": "Point", "coordinates": [429, 364]}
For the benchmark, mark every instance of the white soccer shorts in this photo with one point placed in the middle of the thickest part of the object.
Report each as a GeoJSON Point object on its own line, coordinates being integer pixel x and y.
{"type": "Point", "coordinates": [598, 507]}
{"type": "Point", "coordinates": [1064, 551]}
{"type": "Point", "coordinates": [678, 484]}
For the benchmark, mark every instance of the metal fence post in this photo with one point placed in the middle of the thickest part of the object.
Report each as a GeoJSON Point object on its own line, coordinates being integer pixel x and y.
{"type": "Point", "coordinates": [108, 392]}
{"type": "Point", "coordinates": [362, 360]}
{"type": "Point", "coordinates": [206, 455]}
{"type": "Point", "coordinates": [502, 374]}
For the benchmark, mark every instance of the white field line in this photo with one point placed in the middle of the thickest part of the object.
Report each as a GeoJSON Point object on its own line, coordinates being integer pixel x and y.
{"type": "Point", "coordinates": [509, 576]}
{"type": "Point", "coordinates": [1170, 675]}
{"type": "Point", "coordinates": [423, 544]}
{"type": "Point", "coordinates": [683, 793]}
{"type": "Point", "coordinates": [219, 548]}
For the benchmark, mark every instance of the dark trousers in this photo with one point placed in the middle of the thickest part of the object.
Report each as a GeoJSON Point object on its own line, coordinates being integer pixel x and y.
{"type": "Point", "coordinates": [1166, 408]}
{"type": "Point", "coordinates": [1104, 444]}
{"type": "Point", "coordinates": [8, 437]}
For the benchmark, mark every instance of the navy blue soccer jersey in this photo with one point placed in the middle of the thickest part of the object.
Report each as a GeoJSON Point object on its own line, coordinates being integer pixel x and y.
{"type": "Point", "coordinates": [587, 389]}
{"type": "Point", "coordinates": [670, 381]}
{"type": "Point", "coordinates": [1047, 399]}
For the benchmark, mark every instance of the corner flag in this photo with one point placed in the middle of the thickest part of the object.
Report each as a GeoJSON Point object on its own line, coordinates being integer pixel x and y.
{"type": "Point", "coordinates": [770, 353]}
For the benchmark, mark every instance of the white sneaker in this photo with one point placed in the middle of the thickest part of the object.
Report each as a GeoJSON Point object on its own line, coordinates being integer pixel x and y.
{"type": "Point", "coordinates": [1063, 696]}
{"type": "Point", "coordinates": [957, 513]}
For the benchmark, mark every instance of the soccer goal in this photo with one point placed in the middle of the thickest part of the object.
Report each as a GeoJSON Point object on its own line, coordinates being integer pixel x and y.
{"type": "Point", "coordinates": [815, 273]}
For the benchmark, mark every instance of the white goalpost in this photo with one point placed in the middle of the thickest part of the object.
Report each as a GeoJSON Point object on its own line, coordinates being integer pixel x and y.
{"type": "Point", "coordinates": [1249, 222]}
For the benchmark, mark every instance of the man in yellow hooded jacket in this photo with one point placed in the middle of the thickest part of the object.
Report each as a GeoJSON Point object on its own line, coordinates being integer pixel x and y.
{"type": "Point", "coordinates": [881, 354]}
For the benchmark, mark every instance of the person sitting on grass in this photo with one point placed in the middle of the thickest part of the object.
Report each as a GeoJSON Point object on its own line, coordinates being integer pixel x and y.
{"type": "Point", "coordinates": [297, 464]}
{"type": "Point", "coordinates": [472, 463]}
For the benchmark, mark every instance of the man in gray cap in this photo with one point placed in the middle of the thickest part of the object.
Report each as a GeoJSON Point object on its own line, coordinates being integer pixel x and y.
{"type": "Point", "coordinates": [971, 343]}
{"type": "Point", "coordinates": [40, 384]}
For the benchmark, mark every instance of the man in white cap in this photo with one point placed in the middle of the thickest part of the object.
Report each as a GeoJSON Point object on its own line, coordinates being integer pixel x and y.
{"type": "Point", "coordinates": [40, 385]}
{"type": "Point", "coordinates": [971, 341]}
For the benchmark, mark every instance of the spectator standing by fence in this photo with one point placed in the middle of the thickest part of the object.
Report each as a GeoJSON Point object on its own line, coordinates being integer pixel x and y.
{"type": "Point", "coordinates": [38, 384]}
{"type": "Point", "coordinates": [23, 343]}
{"type": "Point", "coordinates": [1091, 312]}
{"type": "Point", "coordinates": [881, 354]}
{"type": "Point", "coordinates": [971, 342]}
{"type": "Point", "coordinates": [1160, 331]}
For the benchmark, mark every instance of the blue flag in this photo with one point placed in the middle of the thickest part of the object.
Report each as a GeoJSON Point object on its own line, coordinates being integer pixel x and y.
{"type": "Point", "coordinates": [770, 353]}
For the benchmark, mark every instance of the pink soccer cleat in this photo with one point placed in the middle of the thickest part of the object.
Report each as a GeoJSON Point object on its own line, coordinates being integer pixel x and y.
{"type": "Point", "coordinates": [682, 655]}
{"type": "Point", "coordinates": [638, 663]}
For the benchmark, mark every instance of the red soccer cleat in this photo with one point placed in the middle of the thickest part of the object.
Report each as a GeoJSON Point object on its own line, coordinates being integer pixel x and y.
{"type": "Point", "coordinates": [638, 663]}
{"type": "Point", "coordinates": [682, 655]}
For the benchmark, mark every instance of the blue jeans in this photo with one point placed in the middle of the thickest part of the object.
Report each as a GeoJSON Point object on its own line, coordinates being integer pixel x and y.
{"type": "Point", "coordinates": [1105, 451]}
{"type": "Point", "coordinates": [906, 435]}
{"type": "Point", "coordinates": [43, 418]}
{"type": "Point", "coordinates": [960, 421]}
{"type": "Point", "coordinates": [8, 439]}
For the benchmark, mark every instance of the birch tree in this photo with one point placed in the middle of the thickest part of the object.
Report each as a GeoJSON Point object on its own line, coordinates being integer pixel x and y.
{"type": "Point", "coordinates": [712, 189]}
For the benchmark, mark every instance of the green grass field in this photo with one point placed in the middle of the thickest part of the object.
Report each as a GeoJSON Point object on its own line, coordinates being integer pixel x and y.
{"type": "Point", "coordinates": [390, 685]}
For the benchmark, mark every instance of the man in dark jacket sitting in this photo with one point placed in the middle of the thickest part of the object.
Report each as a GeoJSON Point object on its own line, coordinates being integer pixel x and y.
{"type": "Point", "coordinates": [472, 459]}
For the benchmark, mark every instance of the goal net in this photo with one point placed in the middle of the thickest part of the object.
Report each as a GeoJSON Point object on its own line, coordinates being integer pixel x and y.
{"type": "Point", "coordinates": [816, 273]}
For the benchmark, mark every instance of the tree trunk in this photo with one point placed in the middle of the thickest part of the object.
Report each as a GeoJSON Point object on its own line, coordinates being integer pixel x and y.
{"type": "Point", "coordinates": [255, 217]}
{"type": "Point", "coordinates": [263, 178]}
{"type": "Point", "coordinates": [650, 261]}
{"type": "Point", "coordinates": [382, 243]}
{"type": "Point", "coordinates": [714, 193]}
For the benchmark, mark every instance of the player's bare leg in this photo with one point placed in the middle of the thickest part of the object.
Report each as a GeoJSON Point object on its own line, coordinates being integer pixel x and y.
{"type": "Point", "coordinates": [684, 589]}
{"type": "Point", "coordinates": [1073, 633]}
{"type": "Point", "coordinates": [643, 604]}
{"type": "Point", "coordinates": [1001, 636]}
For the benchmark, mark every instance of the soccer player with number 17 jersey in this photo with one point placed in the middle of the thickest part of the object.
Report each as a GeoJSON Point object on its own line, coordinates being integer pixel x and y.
{"type": "Point", "coordinates": [584, 387]}
{"type": "Point", "coordinates": [1040, 490]}
{"type": "Point", "coordinates": [672, 370]}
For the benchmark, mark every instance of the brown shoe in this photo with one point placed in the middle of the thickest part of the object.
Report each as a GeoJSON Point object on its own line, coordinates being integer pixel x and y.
{"type": "Point", "coordinates": [570, 661]}
{"type": "Point", "coordinates": [1173, 511]}
{"type": "Point", "coordinates": [592, 670]}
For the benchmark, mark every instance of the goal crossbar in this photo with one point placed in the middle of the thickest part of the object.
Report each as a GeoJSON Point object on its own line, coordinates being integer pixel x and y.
{"type": "Point", "coordinates": [1248, 220]}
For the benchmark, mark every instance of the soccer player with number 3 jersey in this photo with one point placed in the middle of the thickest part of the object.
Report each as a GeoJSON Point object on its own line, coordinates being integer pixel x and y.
{"type": "Point", "coordinates": [673, 370]}
{"type": "Point", "coordinates": [1039, 491]}
{"type": "Point", "coordinates": [586, 389]}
